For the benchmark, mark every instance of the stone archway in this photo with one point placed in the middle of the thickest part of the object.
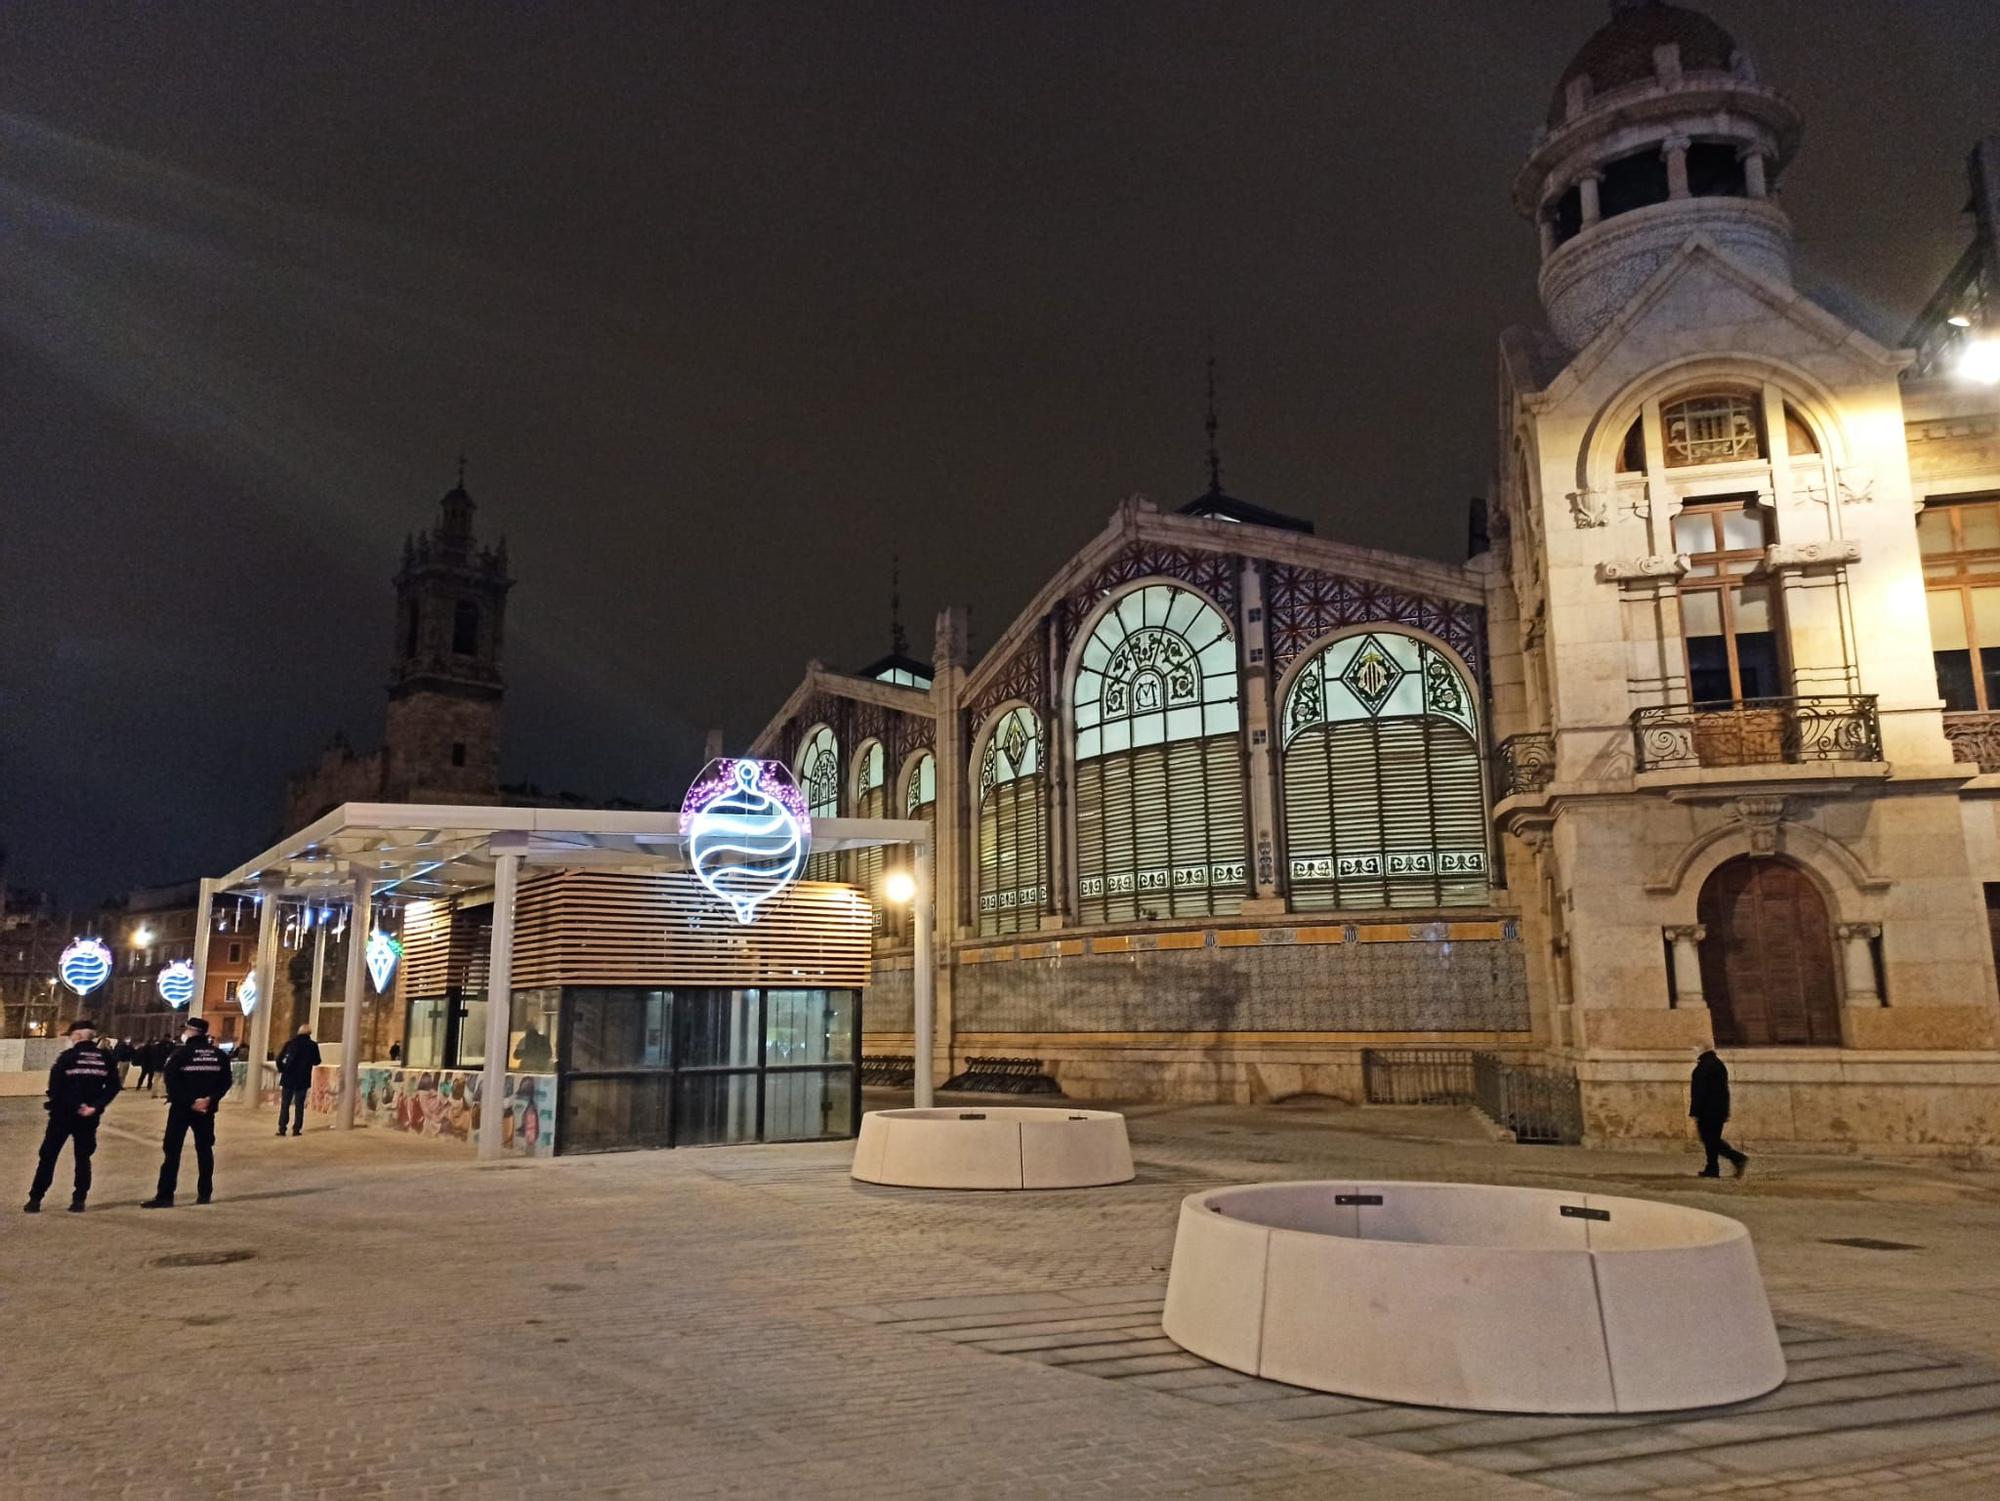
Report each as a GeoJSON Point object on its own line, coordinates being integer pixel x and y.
{"type": "Point", "coordinates": [1767, 960]}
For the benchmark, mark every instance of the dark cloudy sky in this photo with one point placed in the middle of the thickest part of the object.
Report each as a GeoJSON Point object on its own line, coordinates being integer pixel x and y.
{"type": "Point", "coordinates": [726, 302]}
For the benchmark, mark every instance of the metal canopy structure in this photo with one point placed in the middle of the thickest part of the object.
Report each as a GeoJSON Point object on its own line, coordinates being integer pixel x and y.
{"type": "Point", "coordinates": [361, 852]}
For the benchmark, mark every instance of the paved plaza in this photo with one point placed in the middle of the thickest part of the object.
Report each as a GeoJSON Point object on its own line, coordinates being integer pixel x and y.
{"type": "Point", "coordinates": [370, 1315]}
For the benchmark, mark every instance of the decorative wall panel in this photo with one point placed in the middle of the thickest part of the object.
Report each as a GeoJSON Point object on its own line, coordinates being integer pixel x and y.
{"type": "Point", "coordinates": [1303, 604]}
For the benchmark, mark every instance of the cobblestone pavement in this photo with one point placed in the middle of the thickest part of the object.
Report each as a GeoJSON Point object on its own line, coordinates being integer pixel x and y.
{"type": "Point", "coordinates": [367, 1315]}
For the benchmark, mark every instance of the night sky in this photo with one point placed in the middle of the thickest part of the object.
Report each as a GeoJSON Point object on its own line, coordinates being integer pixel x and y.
{"type": "Point", "coordinates": [727, 302]}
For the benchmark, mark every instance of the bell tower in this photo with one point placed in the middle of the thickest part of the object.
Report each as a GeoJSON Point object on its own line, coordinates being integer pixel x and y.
{"type": "Point", "coordinates": [445, 685]}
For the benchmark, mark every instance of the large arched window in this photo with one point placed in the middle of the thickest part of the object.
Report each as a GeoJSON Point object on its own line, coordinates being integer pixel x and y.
{"type": "Point", "coordinates": [920, 802]}
{"type": "Point", "coordinates": [1013, 830]}
{"type": "Point", "coordinates": [871, 800]}
{"type": "Point", "coordinates": [1159, 763]}
{"type": "Point", "coordinates": [819, 779]}
{"type": "Point", "coordinates": [1384, 806]}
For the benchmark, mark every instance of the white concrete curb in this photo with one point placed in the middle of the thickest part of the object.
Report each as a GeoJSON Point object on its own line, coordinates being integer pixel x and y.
{"type": "Point", "coordinates": [1005, 1147]}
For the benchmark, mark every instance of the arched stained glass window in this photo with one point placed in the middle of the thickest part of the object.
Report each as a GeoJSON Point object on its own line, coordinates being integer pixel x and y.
{"type": "Point", "coordinates": [819, 778]}
{"type": "Point", "coordinates": [1159, 763]}
{"type": "Point", "coordinates": [871, 800]}
{"type": "Point", "coordinates": [1384, 806]}
{"type": "Point", "coordinates": [1013, 828]}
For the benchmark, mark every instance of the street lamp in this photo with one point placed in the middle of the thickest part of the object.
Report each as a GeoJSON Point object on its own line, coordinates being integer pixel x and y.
{"type": "Point", "coordinates": [900, 887]}
{"type": "Point", "coordinates": [1979, 360]}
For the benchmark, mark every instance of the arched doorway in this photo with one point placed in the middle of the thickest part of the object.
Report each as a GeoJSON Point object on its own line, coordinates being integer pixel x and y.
{"type": "Point", "coordinates": [1767, 960]}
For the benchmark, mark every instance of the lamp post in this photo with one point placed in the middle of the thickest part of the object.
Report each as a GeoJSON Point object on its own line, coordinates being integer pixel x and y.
{"type": "Point", "coordinates": [912, 888]}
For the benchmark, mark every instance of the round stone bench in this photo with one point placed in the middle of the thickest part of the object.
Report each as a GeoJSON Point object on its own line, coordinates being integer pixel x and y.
{"type": "Point", "coordinates": [1461, 1295]}
{"type": "Point", "coordinates": [1004, 1147]}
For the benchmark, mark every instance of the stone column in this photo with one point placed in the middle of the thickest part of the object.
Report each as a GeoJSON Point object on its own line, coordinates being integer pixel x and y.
{"type": "Point", "coordinates": [1754, 182]}
{"type": "Point", "coordinates": [1057, 752]}
{"type": "Point", "coordinates": [1586, 187]}
{"type": "Point", "coordinates": [948, 862]}
{"type": "Point", "coordinates": [499, 1006]}
{"type": "Point", "coordinates": [267, 997]}
{"type": "Point", "coordinates": [1857, 952]}
{"type": "Point", "coordinates": [1254, 667]}
{"type": "Point", "coordinates": [1675, 149]}
{"type": "Point", "coordinates": [1546, 228]}
{"type": "Point", "coordinates": [355, 994]}
{"type": "Point", "coordinates": [1686, 943]}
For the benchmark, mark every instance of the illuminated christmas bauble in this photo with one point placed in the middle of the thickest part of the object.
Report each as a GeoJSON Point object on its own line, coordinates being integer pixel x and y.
{"type": "Point", "coordinates": [382, 954]}
{"type": "Point", "coordinates": [84, 965]}
{"type": "Point", "coordinates": [176, 983]}
{"type": "Point", "coordinates": [747, 831]}
{"type": "Point", "coordinates": [246, 993]}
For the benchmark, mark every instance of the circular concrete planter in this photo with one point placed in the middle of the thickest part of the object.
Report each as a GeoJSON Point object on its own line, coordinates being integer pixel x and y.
{"type": "Point", "coordinates": [1460, 1295]}
{"type": "Point", "coordinates": [1005, 1147]}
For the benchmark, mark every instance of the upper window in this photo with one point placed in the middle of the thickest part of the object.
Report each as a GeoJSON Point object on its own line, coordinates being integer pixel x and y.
{"type": "Point", "coordinates": [1384, 802]}
{"type": "Point", "coordinates": [1729, 621]}
{"type": "Point", "coordinates": [1960, 543]}
{"type": "Point", "coordinates": [1716, 428]}
{"type": "Point", "coordinates": [465, 629]}
{"type": "Point", "coordinates": [1013, 829]}
{"type": "Point", "coordinates": [920, 790]}
{"type": "Point", "coordinates": [819, 779]}
{"type": "Point", "coordinates": [1159, 774]}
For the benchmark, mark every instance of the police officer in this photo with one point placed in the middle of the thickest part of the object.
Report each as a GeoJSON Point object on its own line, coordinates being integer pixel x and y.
{"type": "Point", "coordinates": [198, 1076]}
{"type": "Point", "coordinates": [81, 1084]}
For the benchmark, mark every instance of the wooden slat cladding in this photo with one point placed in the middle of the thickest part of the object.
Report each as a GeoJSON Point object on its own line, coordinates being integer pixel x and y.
{"type": "Point", "coordinates": [585, 927]}
{"type": "Point", "coordinates": [427, 948]}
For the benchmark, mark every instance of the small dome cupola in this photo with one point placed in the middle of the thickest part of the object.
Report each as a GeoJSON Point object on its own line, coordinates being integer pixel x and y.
{"type": "Point", "coordinates": [1659, 131]}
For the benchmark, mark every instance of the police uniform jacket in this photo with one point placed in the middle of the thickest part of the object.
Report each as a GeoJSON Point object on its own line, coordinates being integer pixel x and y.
{"type": "Point", "coordinates": [82, 1075]}
{"type": "Point", "coordinates": [197, 1070]}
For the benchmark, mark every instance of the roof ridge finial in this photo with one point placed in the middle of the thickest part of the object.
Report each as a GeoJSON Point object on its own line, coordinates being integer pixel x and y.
{"type": "Point", "coordinates": [1212, 424]}
{"type": "Point", "coordinates": [899, 643]}
{"type": "Point", "coordinates": [461, 468]}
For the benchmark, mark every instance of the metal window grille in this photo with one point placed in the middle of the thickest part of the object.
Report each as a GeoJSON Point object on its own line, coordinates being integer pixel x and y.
{"type": "Point", "coordinates": [1711, 429]}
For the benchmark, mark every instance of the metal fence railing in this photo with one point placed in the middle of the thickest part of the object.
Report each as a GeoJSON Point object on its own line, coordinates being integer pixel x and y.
{"type": "Point", "coordinates": [891, 1069]}
{"type": "Point", "coordinates": [1417, 1076]}
{"type": "Point", "coordinates": [1004, 1076]}
{"type": "Point", "coordinates": [1540, 1105]}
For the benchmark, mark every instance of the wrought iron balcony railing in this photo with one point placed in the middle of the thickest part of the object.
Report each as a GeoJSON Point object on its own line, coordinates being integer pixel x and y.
{"type": "Point", "coordinates": [1758, 732]}
{"type": "Point", "coordinates": [1523, 763]}
{"type": "Point", "coordinates": [1974, 737]}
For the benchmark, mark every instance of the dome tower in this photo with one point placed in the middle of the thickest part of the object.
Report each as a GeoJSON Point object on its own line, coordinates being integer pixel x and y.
{"type": "Point", "coordinates": [1659, 131]}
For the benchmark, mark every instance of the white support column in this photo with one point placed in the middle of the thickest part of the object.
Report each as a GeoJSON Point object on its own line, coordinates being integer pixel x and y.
{"type": "Point", "coordinates": [922, 978]}
{"type": "Point", "coordinates": [1586, 198]}
{"type": "Point", "coordinates": [1675, 149]}
{"type": "Point", "coordinates": [499, 1007]}
{"type": "Point", "coordinates": [1755, 182]}
{"type": "Point", "coordinates": [1686, 943]}
{"type": "Point", "coordinates": [1857, 950]}
{"type": "Point", "coordinates": [355, 994]}
{"type": "Point", "coordinates": [319, 977]}
{"type": "Point", "coordinates": [204, 923]}
{"type": "Point", "coordinates": [267, 996]}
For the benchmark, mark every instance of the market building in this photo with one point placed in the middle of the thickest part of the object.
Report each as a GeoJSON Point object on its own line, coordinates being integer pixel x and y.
{"type": "Point", "coordinates": [1696, 749]}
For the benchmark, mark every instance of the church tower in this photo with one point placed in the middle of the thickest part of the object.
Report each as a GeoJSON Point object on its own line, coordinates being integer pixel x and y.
{"type": "Point", "coordinates": [445, 685]}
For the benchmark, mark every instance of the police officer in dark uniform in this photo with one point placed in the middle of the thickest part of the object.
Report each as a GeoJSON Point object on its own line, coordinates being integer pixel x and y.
{"type": "Point", "coordinates": [198, 1076]}
{"type": "Point", "coordinates": [81, 1084]}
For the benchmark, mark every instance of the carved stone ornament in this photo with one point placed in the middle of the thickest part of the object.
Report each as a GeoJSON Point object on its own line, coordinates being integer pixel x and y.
{"type": "Point", "coordinates": [1760, 817]}
{"type": "Point", "coordinates": [1588, 508]}
{"type": "Point", "coordinates": [1658, 566]}
{"type": "Point", "coordinates": [1687, 933]}
{"type": "Point", "coordinates": [1857, 485]}
{"type": "Point", "coordinates": [1857, 932]}
{"type": "Point", "coordinates": [1835, 552]}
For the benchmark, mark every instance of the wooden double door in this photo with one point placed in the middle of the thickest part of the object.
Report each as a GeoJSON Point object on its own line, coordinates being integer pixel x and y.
{"type": "Point", "coordinates": [1767, 962]}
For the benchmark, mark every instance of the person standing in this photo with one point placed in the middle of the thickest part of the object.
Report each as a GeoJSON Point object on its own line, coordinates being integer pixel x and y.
{"type": "Point", "coordinates": [1708, 1104]}
{"type": "Point", "coordinates": [82, 1082]}
{"type": "Point", "coordinates": [149, 1063]}
{"type": "Point", "coordinates": [296, 1061]}
{"type": "Point", "coordinates": [532, 1054]}
{"type": "Point", "coordinates": [197, 1075]}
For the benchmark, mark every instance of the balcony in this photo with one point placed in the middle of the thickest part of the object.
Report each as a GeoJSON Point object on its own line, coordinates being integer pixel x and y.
{"type": "Point", "coordinates": [1523, 763]}
{"type": "Point", "coordinates": [1758, 732]}
{"type": "Point", "coordinates": [1974, 737]}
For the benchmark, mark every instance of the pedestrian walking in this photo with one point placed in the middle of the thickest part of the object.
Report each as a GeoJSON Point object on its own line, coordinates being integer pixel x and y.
{"type": "Point", "coordinates": [122, 1054]}
{"type": "Point", "coordinates": [82, 1082]}
{"type": "Point", "coordinates": [197, 1076]}
{"type": "Point", "coordinates": [1708, 1104]}
{"type": "Point", "coordinates": [296, 1061]}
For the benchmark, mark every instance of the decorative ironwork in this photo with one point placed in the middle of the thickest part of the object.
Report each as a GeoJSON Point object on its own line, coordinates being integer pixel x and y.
{"type": "Point", "coordinates": [1304, 604]}
{"type": "Point", "coordinates": [1975, 738]}
{"type": "Point", "coordinates": [1712, 429]}
{"type": "Point", "coordinates": [1758, 731]}
{"type": "Point", "coordinates": [1523, 763]}
{"type": "Point", "coordinates": [1539, 1105]}
{"type": "Point", "coordinates": [1212, 573]}
{"type": "Point", "coordinates": [1022, 678]}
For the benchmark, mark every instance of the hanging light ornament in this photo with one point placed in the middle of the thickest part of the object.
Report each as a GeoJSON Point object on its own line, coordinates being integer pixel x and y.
{"type": "Point", "coordinates": [84, 965]}
{"type": "Point", "coordinates": [747, 830]}
{"type": "Point", "coordinates": [176, 983]}
{"type": "Point", "coordinates": [246, 993]}
{"type": "Point", "coordinates": [383, 953]}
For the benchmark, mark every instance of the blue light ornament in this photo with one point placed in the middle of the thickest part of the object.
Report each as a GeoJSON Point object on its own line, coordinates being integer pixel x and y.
{"type": "Point", "coordinates": [84, 965]}
{"type": "Point", "coordinates": [748, 831]}
{"type": "Point", "coordinates": [382, 955]}
{"type": "Point", "coordinates": [176, 983]}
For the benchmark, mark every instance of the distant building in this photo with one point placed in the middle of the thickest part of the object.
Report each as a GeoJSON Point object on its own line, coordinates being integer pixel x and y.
{"type": "Point", "coordinates": [442, 735]}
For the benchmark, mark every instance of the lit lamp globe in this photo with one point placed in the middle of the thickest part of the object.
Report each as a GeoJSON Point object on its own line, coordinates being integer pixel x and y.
{"type": "Point", "coordinates": [900, 887]}
{"type": "Point", "coordinates": [1980, 361]}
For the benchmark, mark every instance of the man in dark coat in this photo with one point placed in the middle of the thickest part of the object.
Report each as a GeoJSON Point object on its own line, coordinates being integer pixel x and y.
{"type": "Point", "coordinates": [296, 1061]}
{"type": "Point", "coordinates": [81, 1084]}
{"type": "Point", "coordinates": [1708, 1104]}
{"type": "Point", "coordinates": [198, 1076]}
